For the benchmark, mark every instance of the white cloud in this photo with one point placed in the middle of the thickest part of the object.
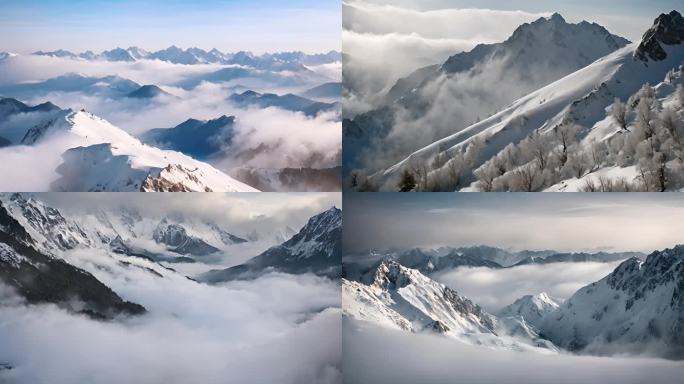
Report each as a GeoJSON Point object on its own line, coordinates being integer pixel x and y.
{"type": "Point", "coordinates": [385, 356]}
{"type": "Point", "coordinates": [193, 332]}
{"type": "Point", "coordinates": [385, 42]}
{"type": "Point", "coordinates": [496, 288]}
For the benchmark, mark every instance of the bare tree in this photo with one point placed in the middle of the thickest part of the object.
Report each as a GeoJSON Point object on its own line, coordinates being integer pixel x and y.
{"type": "Point", "coordinates": [645, 118]}
{"type": "Point", "coordinates": [539, 147]}
{"type": "Point", "coordinates": [472, 153]}
{"type": "Point", "coordinates": [527, 178]}
{"type": "Point", "coordinates": [618, 111]}
{"type": "Point", "coordinates": [577, 164]}
{"type": "Point", "coordinates": [485, 176]}
{"type": "Point", "coordinates": [566, 134]}
{"type": "Point", "coordinates": [455, 169]}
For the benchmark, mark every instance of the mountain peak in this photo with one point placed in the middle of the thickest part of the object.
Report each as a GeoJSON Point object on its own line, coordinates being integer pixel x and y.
{"type": "Point", "coordinates": [557, 18]}
{"type": "Point", "coordinates": [667, 29]}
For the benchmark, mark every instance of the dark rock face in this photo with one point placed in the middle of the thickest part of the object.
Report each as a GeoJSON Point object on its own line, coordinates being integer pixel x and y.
{"type": "Point", "coordinates": [316, 248]}
{"type": "Point", "coordinates": [668, 29]}
{"type": "Point", "coordinates": [40, 278]}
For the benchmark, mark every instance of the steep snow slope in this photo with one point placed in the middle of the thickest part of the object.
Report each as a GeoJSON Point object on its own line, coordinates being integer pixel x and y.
{"type": "Point", "coordinates": [638, 308]}
{"type": "Point", "coordinates": [405, 299]}
{"type": "Point", "coordinates": [316, 248]}
{"type": "Point", "coordinates": [582, 96]}
{"type": "Point", "coordinates": [124, 231]}
{"type": "Point", "coordinates": [101, 157]}
{"type": "Point", "coordinates": [449, 97]}
{"type": "Point", "coordinates": [532, 308]}
{"type": "Point", "coordinates": [42, 278]}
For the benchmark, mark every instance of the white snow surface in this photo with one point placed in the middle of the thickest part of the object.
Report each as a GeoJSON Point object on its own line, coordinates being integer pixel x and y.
{"type": "Point", "coordinates": [99, 156]}
{"type": "Point", "coordinates": [403, 298]}
{"type": "Point", "coordinates": [584, 95]}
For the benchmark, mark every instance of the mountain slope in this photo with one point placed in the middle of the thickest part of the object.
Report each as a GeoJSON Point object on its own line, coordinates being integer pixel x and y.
{"type": "Point", "coordinates": [403, 298]}
{"type": "Point", "coordinates": [316, 248]}
{"type": "Point", "coordinates": [40, 278]}
{"type": "Point", "coordinates": [101, 157]}
{"type": "Point", "coordinates": [175, 236]}
{"type": "Point", "coordinates": [581, 98]}
{"type": "Point", "coordinates": [449, 97]}
{"type": "Point", "coordinates": [532, 308]}
{"type": "Point", "coordinates": [638, 308]}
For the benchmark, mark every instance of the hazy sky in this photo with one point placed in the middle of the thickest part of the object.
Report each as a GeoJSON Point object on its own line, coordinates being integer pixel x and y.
{"type": "Point", "coordinates": [230, 25]}
{"type": "Point", "coordinates": [630, 18]}
{"type": "Point", "coordinates": [638, 222]}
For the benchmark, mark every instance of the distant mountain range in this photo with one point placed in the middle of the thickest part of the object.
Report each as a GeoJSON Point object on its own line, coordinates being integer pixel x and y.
{"type": "Point", "coordinates": [636, 309]}
{"type": "Point", "coordinates": [316, 248]}
{"type": "Point", "coordinates": [37, 241]}
{"type": "Point", "coordinates": [190, 56]}
{"type": "Point", "coordinates": [429, 261]}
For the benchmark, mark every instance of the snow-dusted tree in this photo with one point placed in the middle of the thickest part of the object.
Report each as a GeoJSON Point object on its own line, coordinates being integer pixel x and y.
{"type": "Point", "coordinates": [670, 123]}
{"type": "Point", "coordinates": [539, 147]}
{"type": "Point", "coordinates": [646, 92]}
{"type": "Point", "coordinates": [526, 178]}
{"type": "Point", "coordinates": [680, 96]}
{"type": "Point", "coordinates": [653, 172]}
{"type": "Point", "coordinates": [566, 135]}
{"type": "Point", "coordinates": [597, 153]}
{"type": "Point", "coordinates": [510, 155]}
{"type": "Point", "coordinates": [455, 169]}
{"type": "Point", "coordinates": [485, 176]}
{"type": "Point", "coordinates": [645, 116]}
{"type": "Point", "coordinates": [618, 111]}
{"type": "Point", "coordinates": [577, 164]}
{"type": "Point", "coordinates": [473, 150]}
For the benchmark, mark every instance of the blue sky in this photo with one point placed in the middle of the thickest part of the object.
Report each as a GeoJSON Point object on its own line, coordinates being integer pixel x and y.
{"type": "Point", "coordinates": [568, 222]}
{"type": "Point", "coordinates": [231, 25]}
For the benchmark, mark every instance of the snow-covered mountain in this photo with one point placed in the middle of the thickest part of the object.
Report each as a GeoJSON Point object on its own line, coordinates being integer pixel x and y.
{"type": "Point", "coordinates": [403, 298]}
{"type": "Point", "coordinates": [638, 308]}
{"type": "Point", "coordinates": [98, 156]}
{"type": "Point", "coordinates": [191, 56]}
{"type": "Point", "coordinates": [316, 248]}
{"type": "Point", "coordinates": [448, 97]}
{"type": "Point", "coordinates": [40, 277]}
{"type": "Point", "coordinates": [124, 231]}
{"type": "Point", "coordinates": [582, 137]}
{"type": "Point", "coordinates": [532, 308]}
